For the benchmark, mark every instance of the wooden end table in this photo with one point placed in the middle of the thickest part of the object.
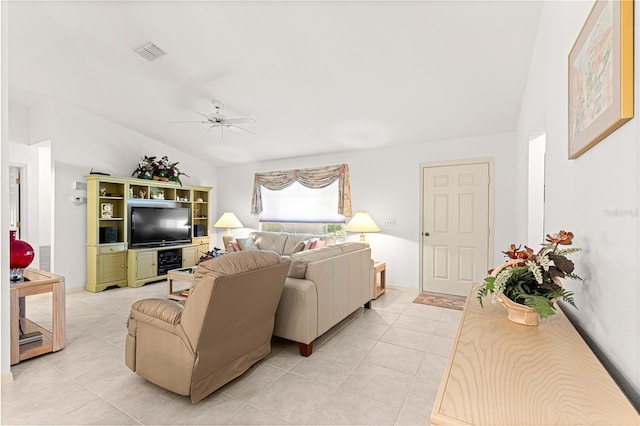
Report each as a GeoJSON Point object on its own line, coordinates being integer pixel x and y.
{"type": "Point", "coordinates": [182, 274]}
{"type": "Point", "coordinates": [36, 282]}
{"type": "Point", "coordinates": [379, 278]}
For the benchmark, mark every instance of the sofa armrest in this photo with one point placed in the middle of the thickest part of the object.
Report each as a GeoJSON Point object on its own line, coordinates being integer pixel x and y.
{"type": "Point", "coordinates": [297, 314]}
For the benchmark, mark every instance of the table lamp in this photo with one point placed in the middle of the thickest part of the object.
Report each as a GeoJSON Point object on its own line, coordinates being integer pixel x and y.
{"type": "Point", "coordinates": [362, 223]}
{"type": "Point", "coordinates": [228, 220]}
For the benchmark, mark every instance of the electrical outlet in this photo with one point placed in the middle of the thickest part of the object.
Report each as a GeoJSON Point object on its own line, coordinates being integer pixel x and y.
{"type": "Point", "coordinates": [78, 200]}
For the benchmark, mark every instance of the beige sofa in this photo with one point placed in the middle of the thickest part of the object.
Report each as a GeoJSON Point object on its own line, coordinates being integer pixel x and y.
{"type": "Point", "coordinates": [224, 328]}
{"type": "Point", "coordinates": [283, 243]}
{"type": "Point", "coordinates": [323, 287]}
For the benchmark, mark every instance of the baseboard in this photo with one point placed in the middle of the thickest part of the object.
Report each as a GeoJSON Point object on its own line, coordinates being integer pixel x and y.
{"type": "Point", "coordinates": [625, 385]}
{"type": "Point", "coordinates": [7, 377]}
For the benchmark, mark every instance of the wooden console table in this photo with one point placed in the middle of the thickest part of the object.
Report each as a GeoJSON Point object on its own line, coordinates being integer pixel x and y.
{"type": "Point", "coordinates": [37, 282]}
{"type": "Point", "coordinates": [504, 373]}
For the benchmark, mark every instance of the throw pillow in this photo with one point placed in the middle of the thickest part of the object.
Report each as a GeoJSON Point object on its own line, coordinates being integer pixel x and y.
{"type": "Point", "coordinates": [299, 247]}
{"type": "Point", "coordinates": [318, 244]}
{"type": "Point", "coordinates": [310, 243]}
{"type": "Point", "coordinates": [234, 245]}
{"type": "Point", "coordinates": [247, 244]}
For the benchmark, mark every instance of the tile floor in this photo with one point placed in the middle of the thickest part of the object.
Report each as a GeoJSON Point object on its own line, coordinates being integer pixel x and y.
{"type": "Point", "coordinates": [380, 366]}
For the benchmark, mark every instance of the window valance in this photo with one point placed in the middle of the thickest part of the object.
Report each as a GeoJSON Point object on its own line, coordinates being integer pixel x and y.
{"type": "Point", "coordinates": [319, 177]}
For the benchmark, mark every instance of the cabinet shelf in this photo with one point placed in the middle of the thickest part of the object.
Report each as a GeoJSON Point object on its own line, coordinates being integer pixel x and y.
{"type": "Point", "coordinates": [111, 218]}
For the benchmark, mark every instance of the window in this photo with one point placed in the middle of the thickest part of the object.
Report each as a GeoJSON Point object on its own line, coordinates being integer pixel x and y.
{"type": "Point", "coordinates": [334, 229]}
{"type": "Point", "coordinates": [317, 178]}
{"type": "Point", "coordinates": [297, 203]}
{"type": "Point", "coordinates": [301, 210]}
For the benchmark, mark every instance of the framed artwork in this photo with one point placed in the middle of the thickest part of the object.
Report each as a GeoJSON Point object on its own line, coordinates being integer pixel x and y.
{"type": "Point", "coordinates": [601, 75]}
{"type": "Point", "coordinates": [106, 210]}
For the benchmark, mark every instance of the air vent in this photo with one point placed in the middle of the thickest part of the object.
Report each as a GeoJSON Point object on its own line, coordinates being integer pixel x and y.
{"type": "Point", "coordinates": [149, 51]}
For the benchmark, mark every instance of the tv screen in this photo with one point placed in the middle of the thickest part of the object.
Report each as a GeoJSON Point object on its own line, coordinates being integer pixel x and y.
{"type": "Point", "coordinates": [158, 226]}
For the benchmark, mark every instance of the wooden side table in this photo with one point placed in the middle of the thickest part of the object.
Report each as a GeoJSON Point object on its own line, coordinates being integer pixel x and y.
{"type": "Point", "coordinates": [379, 278]}
{"type": "Point", "coordinates": [37, 282]}
{"type": "Point", "coordinates": [182, 274]}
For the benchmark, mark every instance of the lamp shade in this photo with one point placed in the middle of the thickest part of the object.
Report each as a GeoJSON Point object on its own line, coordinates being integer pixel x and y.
{"type": "Point", "coordinates": [228, 220]}
{"type": "Point", "coordinates": [362, 222]}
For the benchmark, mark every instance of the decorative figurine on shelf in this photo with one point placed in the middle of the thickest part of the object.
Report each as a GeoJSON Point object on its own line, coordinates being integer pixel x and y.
{"type": "Point", "coordinates": [103, 192]}
{"type": "Point", "coordinates": [130, 192]}
{"type": "Point", "coordinates": [21, 256]}
{"type": "Point", "coordinates": [142, 193]}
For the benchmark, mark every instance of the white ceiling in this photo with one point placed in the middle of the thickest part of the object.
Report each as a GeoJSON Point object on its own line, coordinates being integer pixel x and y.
{"type": "Point", "coordinates": [318, 77]}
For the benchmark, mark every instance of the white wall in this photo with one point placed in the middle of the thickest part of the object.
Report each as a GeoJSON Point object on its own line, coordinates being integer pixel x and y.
{"type": "Point", "coordinates": [386, 183]}
{"type": "Point", "coordinates": [45, 189]}
{"type": "Point", "coordinates": [5, 354]}
{"type": "Point", "coordinates": [18, 124]}
{"type": "Point", "coordinates": [535, 229]}
{"type": "Point", "coordinates": [596, 196]}
{"type": "Point", "coordinates": [81, 140]}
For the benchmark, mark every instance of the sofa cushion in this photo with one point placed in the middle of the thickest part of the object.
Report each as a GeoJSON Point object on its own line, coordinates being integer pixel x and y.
{"type": "Point", "coordinates": [246, 244]}
{"type": "Point", "coordinates": [283, 243]}
{"type": "Point", "coordinates": [270, 241]}
{"type": "Point", "coordinates": [299, 261]}
{"type": "Point", "coordinates": [351, 246]}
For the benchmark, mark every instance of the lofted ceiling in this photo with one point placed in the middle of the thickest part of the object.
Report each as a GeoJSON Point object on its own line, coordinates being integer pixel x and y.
{"type": "Point", "coordinates": [317, 76]}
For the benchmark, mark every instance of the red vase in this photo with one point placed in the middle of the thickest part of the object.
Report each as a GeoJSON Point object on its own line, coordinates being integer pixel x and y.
{"type": "Point", "coordinates": [21, 256]}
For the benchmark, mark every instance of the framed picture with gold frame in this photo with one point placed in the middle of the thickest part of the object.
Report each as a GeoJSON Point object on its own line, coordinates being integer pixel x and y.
{"type": "Point", "coordinates": [601, 75]}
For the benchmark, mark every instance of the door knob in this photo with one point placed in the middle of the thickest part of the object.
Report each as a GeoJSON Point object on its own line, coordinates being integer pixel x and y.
{"type": "Point", "coordinates": [426, 234]}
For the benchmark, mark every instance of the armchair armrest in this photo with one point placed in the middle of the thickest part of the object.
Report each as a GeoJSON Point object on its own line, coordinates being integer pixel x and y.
{"type": "Point", "coordinates": [153, 310]}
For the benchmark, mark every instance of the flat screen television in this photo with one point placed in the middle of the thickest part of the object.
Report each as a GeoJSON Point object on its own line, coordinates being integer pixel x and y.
{"type": "Point", "coordinates": [159, 226]}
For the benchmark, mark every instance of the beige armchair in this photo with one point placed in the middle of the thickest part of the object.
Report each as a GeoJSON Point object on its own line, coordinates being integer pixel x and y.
{"type": "Point", "coordinates": [224, 327]}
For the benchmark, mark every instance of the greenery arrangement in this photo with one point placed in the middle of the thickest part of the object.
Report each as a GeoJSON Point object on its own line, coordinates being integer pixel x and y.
{"type": "Point", "coordinates": [163, 169]}
{"type": "Point", "coordinates": [529, 277]}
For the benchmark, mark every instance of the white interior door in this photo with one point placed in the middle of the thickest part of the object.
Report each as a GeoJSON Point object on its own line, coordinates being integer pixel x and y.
{"type": "Point", "coordinates": [455, 227]}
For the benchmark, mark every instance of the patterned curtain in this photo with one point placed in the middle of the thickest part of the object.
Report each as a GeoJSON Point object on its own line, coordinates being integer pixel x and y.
{"type": "Point", "coordinates": [319, 177]}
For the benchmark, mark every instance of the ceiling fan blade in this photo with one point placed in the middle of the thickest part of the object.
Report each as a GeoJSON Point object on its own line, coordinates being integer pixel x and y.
{"type": "Point", "coordinates": [235, 128]}
{"type": "Point", "coordinates": [178, 122]}
{"type": "Point", "coordinates": [241, 120]}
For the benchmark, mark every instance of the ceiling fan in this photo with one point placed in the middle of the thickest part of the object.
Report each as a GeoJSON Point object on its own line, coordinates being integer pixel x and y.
{"type": "Point", "coordinates": [218, 119]}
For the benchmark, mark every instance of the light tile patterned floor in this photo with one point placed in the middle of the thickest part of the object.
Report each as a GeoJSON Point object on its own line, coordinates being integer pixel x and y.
{"type": "Point", "coordinates": [378, 366]}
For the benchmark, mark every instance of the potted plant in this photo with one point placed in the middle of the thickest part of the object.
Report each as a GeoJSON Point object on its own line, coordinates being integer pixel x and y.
{"type": "Point", "coordinates": [529, 283]}
{"type": "Point", "coordinates": [146, 168]}
{"type": "Point", "coordinates": [162, 169]}
{"type": "Point", "coordinates": [169, 171]}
